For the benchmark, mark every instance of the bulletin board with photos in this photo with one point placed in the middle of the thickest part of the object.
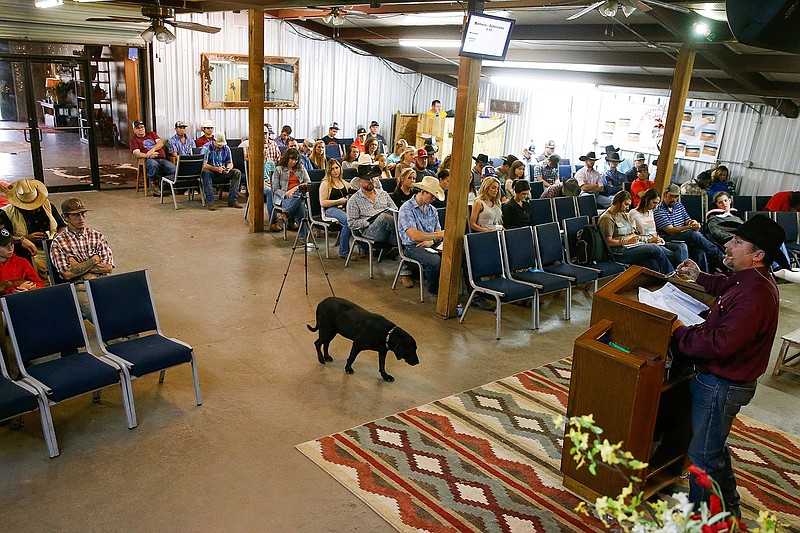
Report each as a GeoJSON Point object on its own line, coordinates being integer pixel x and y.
{"type": "Point", "coordinates": [640, 128]}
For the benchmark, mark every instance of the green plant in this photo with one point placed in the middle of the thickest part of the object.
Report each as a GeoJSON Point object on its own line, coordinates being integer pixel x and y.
{"type": "Point", "coordinates": [628, 511]}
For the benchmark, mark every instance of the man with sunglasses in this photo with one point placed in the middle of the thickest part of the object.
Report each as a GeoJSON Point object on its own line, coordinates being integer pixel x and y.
{"type": "Point", "coordinates": [207, 127]}
{"type": "Point", "coordinates": [180, 143]}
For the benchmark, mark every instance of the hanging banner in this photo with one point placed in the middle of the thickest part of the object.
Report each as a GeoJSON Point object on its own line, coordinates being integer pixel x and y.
{"type": "Point", "coordinates": [640, 128]}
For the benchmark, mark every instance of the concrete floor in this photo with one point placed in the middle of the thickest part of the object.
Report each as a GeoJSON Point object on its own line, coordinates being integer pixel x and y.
{"type": "Point", "coordinates": [230, 465]}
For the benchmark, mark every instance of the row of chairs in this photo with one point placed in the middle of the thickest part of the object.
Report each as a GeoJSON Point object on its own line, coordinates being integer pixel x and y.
{"type": "Point", "coordinates": [698, 205]}
{"type": "Point", "coordinates": [188, 175]}
{"type": "Point", "coordinates": [61, 364]}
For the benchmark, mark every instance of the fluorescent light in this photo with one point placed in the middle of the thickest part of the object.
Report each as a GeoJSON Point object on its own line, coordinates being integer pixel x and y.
{"type": "Point", "coordinates": [713, 14]}
{"type": "Point", "coordinates": [44, 4]}
{"type": "Point", "coordinates": [550, 86]}
{"type": "Point", "coordinates": [431, 43]}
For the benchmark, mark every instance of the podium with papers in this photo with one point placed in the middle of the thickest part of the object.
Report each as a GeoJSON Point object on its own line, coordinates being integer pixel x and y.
{"type": "Point", "coordinates": [622, 373]}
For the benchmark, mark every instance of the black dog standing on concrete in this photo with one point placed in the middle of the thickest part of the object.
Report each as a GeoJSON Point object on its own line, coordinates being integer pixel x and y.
{"type": "Point", "coordinates": [368, 331]}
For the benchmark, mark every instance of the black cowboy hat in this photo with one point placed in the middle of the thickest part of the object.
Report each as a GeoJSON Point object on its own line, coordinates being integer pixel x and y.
{"type": "Point", "coordinates": [589, 155]}
{"type": "Point", "coordinates": [614, 156]}
{"type": "Point", "coordinates": [767, 235]}
{"type": "Point", "coordinates": [368, 171]}
{"type": "Point", "coordinates": [483, 159]}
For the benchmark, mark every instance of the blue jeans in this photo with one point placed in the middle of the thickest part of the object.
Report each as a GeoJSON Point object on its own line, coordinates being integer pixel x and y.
{"type": "Point", "coordinates": [233, 177]}
{"type": "Point", "coordinates": [715, 403]}
{"type": "Point", "coordinates": [431, 264]}
{"type": "Point", "coordinates": [701, 250]}
{"type": "Point", "coordinates": [382, 229]}
{"type": "Point", "coordinates": [296, 208]}
{"type": "Point", "coordinates": [676, 252]}
{"type": "Point", "coordinates": [650, 256]}
{"type": "Point", "coordinates": [344, 237]}
{"type": "Point", "coordinates": [268, 201]}
{"type": "Point", "coordinates": [158, 168]}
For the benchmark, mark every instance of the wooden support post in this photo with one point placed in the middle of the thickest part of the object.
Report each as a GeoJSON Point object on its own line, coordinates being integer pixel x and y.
{"type": "Point", "coordinates": [469, 74]}
{"type": "Point", "coordinates": [672, 128]}
{"type": "Point", "coordinates": [256, 123]}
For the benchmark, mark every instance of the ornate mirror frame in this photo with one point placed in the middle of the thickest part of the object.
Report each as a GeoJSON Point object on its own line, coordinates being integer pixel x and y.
{"type": "Point", "coordinates": [206, 69]}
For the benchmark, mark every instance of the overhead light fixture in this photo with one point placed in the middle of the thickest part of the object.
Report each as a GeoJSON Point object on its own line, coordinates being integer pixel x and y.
{"type": "Point", "coordinates": [702, 29]}
{"type": "Point", "coordinates": [44, 4]}
{"type": "Point", "coordinates": [628, 10]}
{"type": "Point", "coordinates": [609, 9]}
{"type": "Point", "coordinates": [164, 35]}
{"type": "Point", "coordinates": [148, 34]}
{"type": "Point", "coordinates": [335, 17]}
{"type": "Point", "coordinates": [431, 43]}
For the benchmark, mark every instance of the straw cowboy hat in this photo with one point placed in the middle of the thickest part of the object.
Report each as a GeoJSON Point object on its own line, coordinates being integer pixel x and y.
{"type": "Point", "coordinates": [431, 185]}
{"type": "Point", "coordinates": [363, 159]}
{"type": "Point", "coordinates": [27, 194]}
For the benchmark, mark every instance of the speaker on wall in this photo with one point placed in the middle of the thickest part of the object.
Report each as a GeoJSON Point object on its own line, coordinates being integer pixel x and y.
{"type": "Point", "coordinates": [770, 24]}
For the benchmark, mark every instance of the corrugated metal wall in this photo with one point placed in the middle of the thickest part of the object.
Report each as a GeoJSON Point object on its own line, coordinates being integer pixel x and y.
{"type": "Point", "coordinates": [335, 83]}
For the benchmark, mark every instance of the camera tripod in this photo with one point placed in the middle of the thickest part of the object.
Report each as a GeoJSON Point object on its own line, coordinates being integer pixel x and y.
{"type": "Point", "coordinates": [305, 226]}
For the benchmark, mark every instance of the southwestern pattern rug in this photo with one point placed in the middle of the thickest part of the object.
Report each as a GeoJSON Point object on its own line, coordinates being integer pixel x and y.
{"type": "Point", "coordinates": [487, 460]}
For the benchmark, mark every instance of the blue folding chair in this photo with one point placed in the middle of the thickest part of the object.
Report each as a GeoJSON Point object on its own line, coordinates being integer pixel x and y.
{"type": "Point", "coordinates": [348, 174]}
{"type": "Point", "coordinates": [761, 202]}
{"type": "Point", "coordinates": [486, 275]}
{"type": "Point", "coordinates": [742, 204]}
{"type": "Point", "coordinates": [550, 255]}
{"type": "Point", "coordinates": [565, 161]}
{"type": "Point", "coordinates": [537, 188]}
{"type": "Point", "coordinates": [316, 175]}
{"type": "Point", "coordinates": [564, 172]}
{"type": "Point", "coordinates": [542, 211]}
{"type": "Point", "coordinates": [519, 253]}
{"type": "Point", "coordinates": [333, 151]}
{"type": "Point", "coordinates": [389, 185]}
{"type": "Point", "coordinates": [571, 228]}
{"type": "Point", "coordinates": [695, 206]}
{"type": "Point", "coordinates": [789, 222]}
{"type": "Point", "coordinates": [188, 172]}
{"type": "Point", "coordinates": [134, 338]}
{"type": "Point", "coordinates": [565, 208]}
{"type": "Point", "coordinates": [18, 398]}
{"type": "Point", "coordinates": [57, 361]}
{"type": "Point", "coordinates": [587, 206]}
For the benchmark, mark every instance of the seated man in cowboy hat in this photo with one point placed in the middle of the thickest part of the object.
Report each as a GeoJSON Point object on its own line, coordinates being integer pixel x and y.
{"type": "Point", "coordinates": [477, 171]}
{"type": "Point", "coordinates": [590, 180]}
{"type": "Point", "coordinates": [418, 222]}
{"type": "Point", "coordinates": [731, 348]}
{"type": "Point", "coordinates": [569, 187]}
{"type": "Point", "coordinates": [80, 252]}
{"type": "Point", "coordinates": [369, 209]}
{"type": "Point", "coordinates": [613, 179]}
{"type": "Point", "coordinates": [31, 218]}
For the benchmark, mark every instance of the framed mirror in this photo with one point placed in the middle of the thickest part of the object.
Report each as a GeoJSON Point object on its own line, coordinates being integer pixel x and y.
{"type": "Point", "coordinates": [225, 80]}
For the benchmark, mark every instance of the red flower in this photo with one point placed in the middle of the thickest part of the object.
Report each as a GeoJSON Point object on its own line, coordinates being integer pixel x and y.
{"type": "Point", "coordinates": [700, 477]}
{"type": "Point", "coordinates": [715, 506]}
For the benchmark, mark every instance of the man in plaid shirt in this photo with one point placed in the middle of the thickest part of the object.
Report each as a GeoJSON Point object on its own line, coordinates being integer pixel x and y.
{"type": "Point", "coordinates": [79, 252]}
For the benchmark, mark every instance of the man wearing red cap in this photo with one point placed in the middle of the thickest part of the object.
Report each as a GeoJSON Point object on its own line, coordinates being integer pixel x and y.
{"type": "Point", "coordinates": [421, 165]}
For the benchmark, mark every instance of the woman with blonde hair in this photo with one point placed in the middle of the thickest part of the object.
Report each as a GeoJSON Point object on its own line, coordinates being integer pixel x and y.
{"type": "Point", "coordinates": [333, 193]}
{"type": "Point", "coordinates": [399, 147]}
{"type": "Point", "coordinates": [317, 157]}
{"type": "Point", "coordinates": [406, 161]}
{"type": "Point", "coordinates": [487, 213]}
{"type": "Point", "coordinates": [381, 162]}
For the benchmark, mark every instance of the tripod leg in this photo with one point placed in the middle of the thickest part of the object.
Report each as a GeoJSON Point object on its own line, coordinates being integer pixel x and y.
{"type": "Point", "coordinates": [321, 262]}
{"type": "Point", "coordinates": [286, 274]}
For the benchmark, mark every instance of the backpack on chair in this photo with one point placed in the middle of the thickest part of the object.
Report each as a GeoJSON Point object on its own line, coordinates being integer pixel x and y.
{"type": "Point", "coordinates": [591, 246]}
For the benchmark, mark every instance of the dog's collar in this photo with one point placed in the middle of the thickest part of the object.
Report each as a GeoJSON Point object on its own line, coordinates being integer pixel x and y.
{"type": "Point", "coordinates": [389, 335]}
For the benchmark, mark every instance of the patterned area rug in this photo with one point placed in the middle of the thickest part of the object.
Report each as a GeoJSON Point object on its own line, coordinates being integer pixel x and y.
{"type": "Point", "coordinates": [122, 174]}
{"type": "Point", "coordinates": [487, 459]}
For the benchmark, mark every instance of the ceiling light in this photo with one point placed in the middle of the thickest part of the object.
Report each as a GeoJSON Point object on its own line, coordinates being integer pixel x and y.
{"type": "Point", "coordinates": [43, 4]}
{"type": "Point", "coordinates": [327, 18]}
{"type": "Point", "coordinates": [431, 43]}
{"type": "Point", "coordinates": [148, 34]}
{"type": "Point", "coordinates": [338, 19]}
{"type": "Point", "coordinates": [609, 9]}
{"type": "Point", "coordinates": [628, 10]}
{"type": "Point", "coordinates": [700, 28]}
{"type": "Point", "coordinates": [164, 35]}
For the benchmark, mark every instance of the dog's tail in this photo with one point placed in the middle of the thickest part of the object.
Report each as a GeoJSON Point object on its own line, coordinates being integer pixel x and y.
{"type": "Point", "coordinates": [312, 329]}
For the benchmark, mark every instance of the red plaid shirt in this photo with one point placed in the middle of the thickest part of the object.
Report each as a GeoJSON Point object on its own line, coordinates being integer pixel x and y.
{"type": "Point", "coordinates": [80, 246]}
{"type": "Point", "coordinates": [271, 150]}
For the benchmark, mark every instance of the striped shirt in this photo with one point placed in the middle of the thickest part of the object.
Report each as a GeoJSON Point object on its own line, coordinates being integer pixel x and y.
{"type": "Point", "coordinates": [664, 216]}
{"type": "Point", "coordinates": [80, 246]}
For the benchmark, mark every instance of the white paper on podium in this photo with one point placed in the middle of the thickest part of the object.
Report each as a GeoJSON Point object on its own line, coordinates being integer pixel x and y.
{"type": "Point", "coordinates": [670, 298]}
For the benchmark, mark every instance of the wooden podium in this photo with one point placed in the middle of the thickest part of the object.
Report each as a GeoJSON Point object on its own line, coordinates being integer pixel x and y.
{"type": "Point", "coordinates": [629, 393]}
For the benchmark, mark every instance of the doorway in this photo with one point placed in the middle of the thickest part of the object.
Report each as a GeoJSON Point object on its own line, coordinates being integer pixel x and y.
{"type": "Point", "coordinates": [46, 114]}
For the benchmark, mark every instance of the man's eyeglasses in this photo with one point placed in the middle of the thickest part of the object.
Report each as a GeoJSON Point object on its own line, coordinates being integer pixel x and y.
{"type": "Point", "coordinates": [208, 128]}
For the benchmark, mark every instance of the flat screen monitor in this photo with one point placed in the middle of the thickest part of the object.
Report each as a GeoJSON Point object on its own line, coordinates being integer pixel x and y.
{"type": "Point", "coordinates": [486, 37]}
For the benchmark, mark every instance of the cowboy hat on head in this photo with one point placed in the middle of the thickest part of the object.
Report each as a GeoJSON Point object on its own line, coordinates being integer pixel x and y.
{"type": "Point", "coordinates": [610, 148]}
{"type": "Point", "coordinates": [483, 159]}
{"type": "Point", "coordinates": [589, 155]}
{"type": "Point", "coordinates": [207, 123]}
{"type": "Point", "coordinates": [363, 159]}
{"type": "Point", "coordinates": [368, 171]}
{"type": "Point", "coordinates": [639, 156]}
{"type": "Point", "coordinates": [571, 187]}
{"type": "Point", "coordinates": [614, 156]}
{"type": "Point", "coordinates": [27, 194]}
{"type": "Point", "coordinates": [766, 234]}
{"type": "Point", "coordinates": [431, 185]}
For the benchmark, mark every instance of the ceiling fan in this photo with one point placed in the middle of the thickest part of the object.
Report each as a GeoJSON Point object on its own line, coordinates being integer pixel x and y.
{"type": "Point", "coordinates": [609, 8]}
{"type": "Point", "coordinates": [336, 15]}
{"type": "Point", "coordinates": [159, 17]}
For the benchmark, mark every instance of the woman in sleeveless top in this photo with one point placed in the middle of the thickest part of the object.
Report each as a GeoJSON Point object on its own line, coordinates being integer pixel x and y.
{"type": "Point", "coordinates": [487, 213]}
{"type": "Point", "coordinates": [333, 193]}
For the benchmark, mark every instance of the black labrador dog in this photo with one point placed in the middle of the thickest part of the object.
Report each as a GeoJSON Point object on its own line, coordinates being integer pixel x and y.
{"type": "Point", "coordinates": [368, 331]}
